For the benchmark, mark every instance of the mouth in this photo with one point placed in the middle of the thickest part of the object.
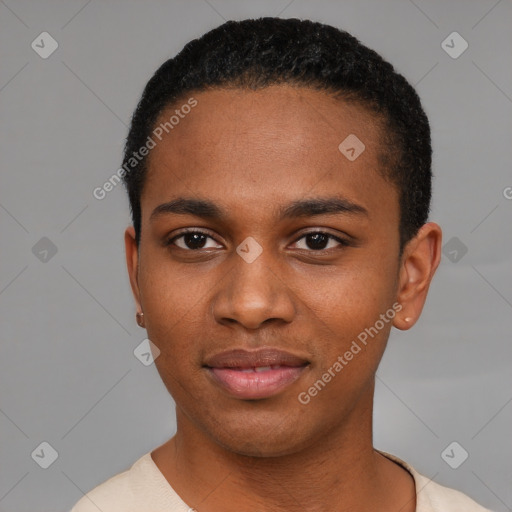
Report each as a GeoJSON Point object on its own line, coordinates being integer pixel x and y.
{"type": "Point", "coordinates": [251, 375]}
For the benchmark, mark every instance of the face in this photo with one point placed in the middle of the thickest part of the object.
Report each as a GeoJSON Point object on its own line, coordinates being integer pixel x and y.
{"type": "Point", "coordinates": [265, 253]}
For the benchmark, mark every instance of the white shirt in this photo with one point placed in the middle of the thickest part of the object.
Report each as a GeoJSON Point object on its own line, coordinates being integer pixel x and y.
{"type": "Point", "coordinates": [143, 488]}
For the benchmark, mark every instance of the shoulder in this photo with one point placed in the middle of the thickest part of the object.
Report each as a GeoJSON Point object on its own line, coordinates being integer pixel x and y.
{"type": "Point", "coordinates": [136, 489]}
{"type": "Point", "coordinates": [114, 494]}
{"type": "Point", "coordinates": [444, 499]}
{"type": "Point", "coordinates": [433, 497]}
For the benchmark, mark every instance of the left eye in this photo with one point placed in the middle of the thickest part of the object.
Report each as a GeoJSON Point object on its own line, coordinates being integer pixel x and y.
{"type": "Point", "coordinates": [318, 241]}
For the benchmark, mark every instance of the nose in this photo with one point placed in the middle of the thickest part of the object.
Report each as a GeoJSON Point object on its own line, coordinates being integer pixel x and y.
{"type": "Point", "coordinates": [253, 294]}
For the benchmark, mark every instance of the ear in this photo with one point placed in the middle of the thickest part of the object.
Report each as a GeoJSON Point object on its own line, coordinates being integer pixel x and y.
{"type": "Point", "coordinates": [420, 259]}
{"type": "Point", "coordinates": [132, 263]}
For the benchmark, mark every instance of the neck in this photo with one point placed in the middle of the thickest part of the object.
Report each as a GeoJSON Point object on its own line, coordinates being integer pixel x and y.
{"type": "Point", "coordinates": [339, 472]}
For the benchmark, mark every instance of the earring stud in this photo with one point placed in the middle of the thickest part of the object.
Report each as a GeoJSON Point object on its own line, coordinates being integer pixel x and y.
{"type": "Point", "coordinates": [140, 319]}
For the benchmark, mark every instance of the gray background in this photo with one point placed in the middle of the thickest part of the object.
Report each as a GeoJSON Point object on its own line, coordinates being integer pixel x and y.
{"type": "Point", "coordinates": [68, 375]}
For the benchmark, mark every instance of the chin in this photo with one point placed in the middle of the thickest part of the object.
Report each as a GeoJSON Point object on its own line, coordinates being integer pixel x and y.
{"type": "Point", "coordinates": [261, 446]}
{"type": "Point", "coordinates": [262, 435]}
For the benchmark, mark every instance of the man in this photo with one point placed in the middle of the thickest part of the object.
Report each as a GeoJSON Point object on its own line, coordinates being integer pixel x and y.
{"type": "Point", "coordinates": [279, 175]}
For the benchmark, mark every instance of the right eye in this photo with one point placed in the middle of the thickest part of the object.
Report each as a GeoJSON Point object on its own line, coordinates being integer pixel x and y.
{"type": "Point", "coordinates": [192, 240]}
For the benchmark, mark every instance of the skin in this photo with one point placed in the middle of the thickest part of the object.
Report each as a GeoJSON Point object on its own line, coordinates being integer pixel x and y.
{"type": "Point", "coordinates": [251, 153]}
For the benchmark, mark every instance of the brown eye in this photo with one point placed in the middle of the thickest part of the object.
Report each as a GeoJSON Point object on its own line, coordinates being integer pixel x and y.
{"type": "Point", "coordinates": [318, 241]}
{"type": "Point", "coordinates": [193, 241]}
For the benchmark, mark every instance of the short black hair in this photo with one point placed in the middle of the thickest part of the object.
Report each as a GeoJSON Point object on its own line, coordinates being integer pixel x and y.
{"type": "Point", "coordinates": [257, 53]}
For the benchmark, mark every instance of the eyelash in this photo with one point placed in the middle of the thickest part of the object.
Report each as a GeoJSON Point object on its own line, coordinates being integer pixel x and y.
{"type": "Point", "coordinates": [341, 241]}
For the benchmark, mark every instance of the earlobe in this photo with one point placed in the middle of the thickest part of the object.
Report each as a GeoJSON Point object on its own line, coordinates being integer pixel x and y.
{"type": "Point", "coordinates": [420, 259]}
{"type": "Point", "coordinates": [132, 264]}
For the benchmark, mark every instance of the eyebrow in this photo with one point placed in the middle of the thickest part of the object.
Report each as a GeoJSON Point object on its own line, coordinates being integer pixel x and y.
{"type": "Point", "coordinates": [301, 208]}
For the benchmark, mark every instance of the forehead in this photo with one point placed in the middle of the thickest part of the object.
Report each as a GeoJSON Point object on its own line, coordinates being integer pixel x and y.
{"type": "Point", "coordinates": [255, 147]}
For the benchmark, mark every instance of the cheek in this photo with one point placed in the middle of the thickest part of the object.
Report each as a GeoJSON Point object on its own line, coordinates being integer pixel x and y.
{"type": "Point", "coordinates": [350, 339]}
{"type": "Point", "coordinates": [351, 297]}
{"type": "Point", "coordinates": [172, 293]}
{"type": "Point", "coordinates": [345, 320]}
{"type": "Point", "coordinates": [171, 303]}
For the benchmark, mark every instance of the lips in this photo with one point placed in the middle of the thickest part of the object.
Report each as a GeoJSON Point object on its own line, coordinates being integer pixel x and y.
{"type": "Point", "coordinates": [256, 374]}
